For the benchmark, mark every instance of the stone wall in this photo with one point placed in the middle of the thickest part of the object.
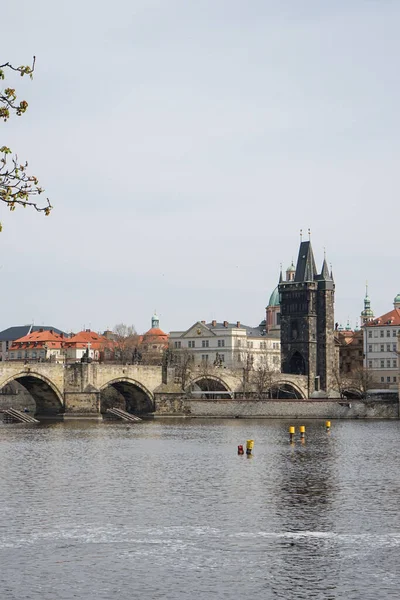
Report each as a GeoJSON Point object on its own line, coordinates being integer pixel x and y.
{"type": "Point", "coordinates": [318, 409]}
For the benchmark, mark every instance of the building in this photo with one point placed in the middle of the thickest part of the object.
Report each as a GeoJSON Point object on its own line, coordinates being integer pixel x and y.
{"type": "Point", "coordinates": [307, 323]}
{"type": "Point", "coordinates": [41, 345]}
{"type": "Point", "coordinates": [9, 335]}
{"type": "Point", "coordinates": [228, 345]}
{"type": "Point", "coordinates": [153, 343]}
{"type": "Point", "coordinates": [380, 347]}
{"type": "Point", "coordinates": [86, 343]}
{"type": "Point", "coordinates": [351, 349]}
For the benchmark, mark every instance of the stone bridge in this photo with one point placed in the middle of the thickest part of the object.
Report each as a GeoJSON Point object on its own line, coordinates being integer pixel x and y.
{"type": "Point", "coordinates": [81, 389]}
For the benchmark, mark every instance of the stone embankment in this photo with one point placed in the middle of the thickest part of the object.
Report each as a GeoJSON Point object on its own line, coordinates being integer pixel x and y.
{"type": "Point", "coordinates": [299, 409]}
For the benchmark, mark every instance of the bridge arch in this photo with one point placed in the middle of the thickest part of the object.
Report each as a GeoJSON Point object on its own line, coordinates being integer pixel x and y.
{"type": "Point", "coordinates": [286, 389]}
{"type": "Point", "coordinates": [209, 386]}
{"type": "Point", "coordinates": [128, 394]}
{"type": "Point", "coordinates": [48, 398]}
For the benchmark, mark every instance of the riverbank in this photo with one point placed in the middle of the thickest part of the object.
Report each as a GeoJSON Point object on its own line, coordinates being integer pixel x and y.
{"type": "Point", "coordinates": [277, 409]}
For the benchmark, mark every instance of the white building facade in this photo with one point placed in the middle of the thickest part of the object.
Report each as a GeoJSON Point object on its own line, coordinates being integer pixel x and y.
{"type": "Point", "coordinates": [380, 347]}
{"type": "Point", "coordinates": [228, 345]}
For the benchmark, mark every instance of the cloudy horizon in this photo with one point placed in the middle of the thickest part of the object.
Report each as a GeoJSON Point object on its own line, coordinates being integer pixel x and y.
{"type": "Point", "coordinates": [184, 145]}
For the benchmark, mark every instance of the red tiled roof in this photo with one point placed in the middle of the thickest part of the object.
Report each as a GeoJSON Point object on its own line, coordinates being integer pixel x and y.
{"type": "Point", "coordinates": [390, 318]}
{"type": "Point", "coordinates": [83, 338]}
{"type": "Point", "coordinates": [39, 339]}
{"type": "Point", "coordinates": [155, 334]}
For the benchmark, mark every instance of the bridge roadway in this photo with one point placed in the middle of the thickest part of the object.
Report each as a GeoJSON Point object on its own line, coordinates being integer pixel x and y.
{"type": "Point", "coordinates": [76, 389]}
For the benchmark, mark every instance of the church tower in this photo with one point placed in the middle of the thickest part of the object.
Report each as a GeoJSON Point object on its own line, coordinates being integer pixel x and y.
{"type": "Point", "coordinates": [307, 322]}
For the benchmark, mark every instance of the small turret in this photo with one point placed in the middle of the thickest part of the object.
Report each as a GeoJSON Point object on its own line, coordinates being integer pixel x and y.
{"type": "Point", "coordinates": [367, 314]}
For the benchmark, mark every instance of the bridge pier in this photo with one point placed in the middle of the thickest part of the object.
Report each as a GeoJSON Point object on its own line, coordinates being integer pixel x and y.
{"type": "Point", "coordinates": [81, 397]}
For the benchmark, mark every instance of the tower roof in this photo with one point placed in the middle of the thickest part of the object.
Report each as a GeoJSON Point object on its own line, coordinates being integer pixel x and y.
{"type": "Point", "coordinates": [305, 269]}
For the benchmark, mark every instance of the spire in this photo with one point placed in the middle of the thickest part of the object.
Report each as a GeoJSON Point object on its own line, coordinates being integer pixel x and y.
{"type": "Point", "coordinates": [280, 274]}
{"type": "Point", "coordinates": [325, 271]}
{"type": "Point", "coordinates": [331, 275]}
{"type": "Point", "coordinates": [306, 269]}
{"type": "Point", "coordinates": [367, 314]}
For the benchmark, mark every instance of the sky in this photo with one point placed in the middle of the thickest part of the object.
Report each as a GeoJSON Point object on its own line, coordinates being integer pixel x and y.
{"type": "Point", "coordinates": [184, 145]}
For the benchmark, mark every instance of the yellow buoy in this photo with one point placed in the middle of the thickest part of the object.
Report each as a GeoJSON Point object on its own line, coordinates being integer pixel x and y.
{"type": "Point", "coordinates": [249, 446]}
{"type": "Point", "coordinates": [328, 425]}
{"type": "Point", "coordinates": [302, 431]}
{"type": "Point", "coordinates": [292, 430]}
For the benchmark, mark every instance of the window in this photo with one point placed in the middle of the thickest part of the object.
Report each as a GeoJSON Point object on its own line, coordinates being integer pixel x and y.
{"type": "Point", "coordinates": [382, 333]}
{"type": "Point", "coordinates": [387, 347]}
{"type": "Point", "coordinates": [222, 357]}
{"type": "Point", "coordinates": [382, 348]}
{"type": "Point", "coordinates": [369, 347]}
{"type": "Point", "coordinates": [395, 379]}
{"type": "Point", "coordinates": [275, 346]}
{"type": "Point", "coordinates": [249, 344]}
{"type": "Point", "coordinates": [204, 343]}
{"type": "Point", "coordinates": [34, 354]}
{"type": "Point", "coordinates": [388, 363]}
{"type": "Point", "coordinates": [221, 343]}
{"type": "Point", "coordinates": [177, 344]}
{"type": "Point", "coordinates": [388, 379]}
{"type": "Point", "coordinates": [370, 334]}
{"type": "Point", "coordinates": [394, 347]}
{"type": "Point", "coordinates": [204, 358]}
{"type": "Point", "coordinates": [19, 354]}
{"type": "Point", "coordinates": [370, 364]}
{"type": "Point", "coordinates": [382, 364]}
{"type": "Point", "coordinates": [263, 345]}
{"type": "Point", "coordinates": [394, 364]}
{"type": "Point", "coordinates": [394, 333]}
{"type": "Point", "coordinates": [387, 332]}
{"type": "Point", "coordinates": [382, 379]}
{"type": "Point", "coordinates": [191, 344]}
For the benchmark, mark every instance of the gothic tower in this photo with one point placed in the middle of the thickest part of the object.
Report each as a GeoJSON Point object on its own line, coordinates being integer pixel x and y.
{"type": "Point", "coordinates": [307, 322]}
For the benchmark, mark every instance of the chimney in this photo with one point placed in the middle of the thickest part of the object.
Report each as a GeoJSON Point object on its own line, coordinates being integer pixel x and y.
{"type": "Point", "coordinates": [225, 323]}
{"type": "Point", "coordinates": [238, 324]}
{"type": "Point", "coordinates": [213, 323]}
{"type": "Point", "coordinates": [203, 322]}
{"type": "Point", "coordinates": [51, 331]}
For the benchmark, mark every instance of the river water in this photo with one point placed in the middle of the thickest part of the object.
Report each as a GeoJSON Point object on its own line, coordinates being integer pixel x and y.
{"type": "Point", "coordinates": [167, 509]}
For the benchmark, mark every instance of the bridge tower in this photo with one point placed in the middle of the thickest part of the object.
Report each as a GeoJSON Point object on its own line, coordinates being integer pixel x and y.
{"type": "Point", "coordinates": [307, 322]}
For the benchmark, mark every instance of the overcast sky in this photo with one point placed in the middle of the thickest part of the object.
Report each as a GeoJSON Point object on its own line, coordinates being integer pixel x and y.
{"type": "Point", "coordinates": [184, 144]}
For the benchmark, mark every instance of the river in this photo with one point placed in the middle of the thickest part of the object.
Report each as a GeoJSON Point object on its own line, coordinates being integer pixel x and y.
{"type": "Point", "coordinates": [166, 509]}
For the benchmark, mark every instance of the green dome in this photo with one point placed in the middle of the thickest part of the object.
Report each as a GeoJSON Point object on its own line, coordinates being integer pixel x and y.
{"type": "Point", "coordinates": [397, 299]}
{"type": "Point", "coordinates": [291, 269]}
{"type": "Point", "coordinates": [274, 298]}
